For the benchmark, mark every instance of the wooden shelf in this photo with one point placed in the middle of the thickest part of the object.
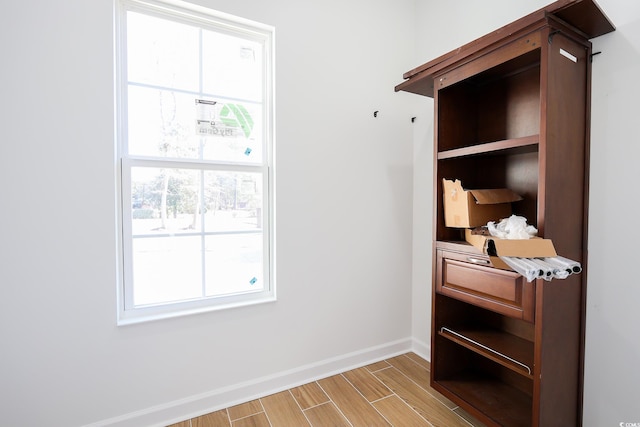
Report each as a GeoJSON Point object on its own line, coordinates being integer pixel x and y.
{"type": "Point", "coordinates": [502, 403]}
{"type": "Point", "coordinates": [524, 144]}
{"type": "Point", "coordinates": [505, 349]}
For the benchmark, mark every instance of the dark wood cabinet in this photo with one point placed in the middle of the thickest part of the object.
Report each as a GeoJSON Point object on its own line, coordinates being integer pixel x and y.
{"type": "Point", "coordinates": [512, 111]}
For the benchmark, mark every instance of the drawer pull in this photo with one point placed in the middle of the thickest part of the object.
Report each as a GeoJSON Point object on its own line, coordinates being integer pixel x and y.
{"type": "Point", "coordinates": [478, 260]}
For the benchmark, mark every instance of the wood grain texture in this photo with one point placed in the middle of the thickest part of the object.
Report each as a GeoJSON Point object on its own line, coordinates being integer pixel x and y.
{"type": "Point", "coordinates": [258, 420]}
{"type": "Point", "coordinates": [419, 360]}
{"type": "Point", "coordinates": [326, 414]}
{"type": "Point", "coordinates": [309, 395]}
{"type": "Point", "coordinates": [391, 392]}
{"type": "Point", "coordinates": [283, 410]}
{"type": "Point", "coordinates": [245, 409]}
{"type": "Point", "coordinates": [355, 407]}
{"type": "Point", "coordinates": [398, 413]}
{"type": "Point", "coordinates": [377, 366]}
{"type": "Point", "coordinates": [367, 384]}
{"type": "Point", "coordinates": [214, 419]}
{"type": "Point", "coordinates": [417, 398]}
{"type": "Point", "coordinates": [420, 375]}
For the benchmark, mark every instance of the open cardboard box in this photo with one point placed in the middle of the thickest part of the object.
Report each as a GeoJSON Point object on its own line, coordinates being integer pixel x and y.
{"type": "Point", "coordinates": [473, 208]}
{"type": "Point", "coordinates": [495, 247]}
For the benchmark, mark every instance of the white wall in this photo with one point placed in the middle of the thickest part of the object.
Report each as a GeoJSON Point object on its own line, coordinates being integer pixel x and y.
{"type": "Point", "coordinates": [612, 391]}
{"type": "Point", "coordinates": [344, 195]}
{"type": "Point", "coordinates": [345, 211]}
{"type": "Point", "coordinates": [612, 380]}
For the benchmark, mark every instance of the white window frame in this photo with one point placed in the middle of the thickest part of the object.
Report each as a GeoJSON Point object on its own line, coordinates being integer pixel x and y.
{"type": "Point", "coordinates": [180, 11]}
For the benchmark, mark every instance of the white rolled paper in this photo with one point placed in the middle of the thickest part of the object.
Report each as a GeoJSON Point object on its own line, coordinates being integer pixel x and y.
{"type": "Point", "coordinates": [557, 271]}
{"type": "Point", "coordinates": [572, 266]}
{"type": "Point", "coordinates": [543, 268]}
{"type": "Point", "coordinates": [525, 269]}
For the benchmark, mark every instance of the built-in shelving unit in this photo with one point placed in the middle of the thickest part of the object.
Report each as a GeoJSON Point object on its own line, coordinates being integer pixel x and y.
{"type": "Point", "coordinates": [511, 111]}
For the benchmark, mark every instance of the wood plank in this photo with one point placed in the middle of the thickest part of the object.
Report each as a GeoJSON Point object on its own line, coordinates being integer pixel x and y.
{"type": "Point", "coordinates": [367, 384]}
{"type": "Point", "coordinates": [467, 416]}
{"type": "Point", "coordinates": [283, 410]}
{"type": "Point", "coordinates": [419, 360]}
{"type": "Point", "coordinates": [414, 371]}
{"type": "Point", "coordinates": [326, 415]}
{"type": "Point", "coordinates": [354, 407]}
{"type": "Point", "coordinates": [524, 143]}
{"type": "Point", "coordinates": [245, 409]}
{"type": "Point", "coordinates": [420, 376]}
{"type": "Point", "coordinates": [422, 402]}
{"type": "Point", "coordinates": [309, 395]}
{"type": "Point", "coordinates": [181, 424]}
{"type": "Point", "coordinates": [214, 419]}
{"type": "Point", "coordinates": [587, 17]}
{"type": "Point", "coordinates": [399, 413]}
{"type": "Point", "coordinates": [258, 420]}
{"type": "Point", "coordinates": [377, 366]}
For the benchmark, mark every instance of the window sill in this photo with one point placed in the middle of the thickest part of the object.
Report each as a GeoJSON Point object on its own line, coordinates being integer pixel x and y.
{"type": "Point", "coordinates": [151, 314]}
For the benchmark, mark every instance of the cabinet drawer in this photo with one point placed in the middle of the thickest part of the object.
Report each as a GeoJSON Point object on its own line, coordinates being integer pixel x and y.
{"type": "Point", "coordinates": [502, 291]}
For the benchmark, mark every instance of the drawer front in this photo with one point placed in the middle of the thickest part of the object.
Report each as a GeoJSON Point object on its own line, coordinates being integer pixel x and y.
{"type": "Point", "coordinates": [504, 292]}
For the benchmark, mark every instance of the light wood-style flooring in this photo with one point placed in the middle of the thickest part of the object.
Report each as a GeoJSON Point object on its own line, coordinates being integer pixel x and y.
{"type": "Point", "coordinates": [393, 392]}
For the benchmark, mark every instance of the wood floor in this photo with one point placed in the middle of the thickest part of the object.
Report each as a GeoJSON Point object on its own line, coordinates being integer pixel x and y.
{"type": "Point", "coordinates": [393, 392]}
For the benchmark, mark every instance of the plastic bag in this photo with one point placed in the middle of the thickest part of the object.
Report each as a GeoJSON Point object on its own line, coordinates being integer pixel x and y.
{"type": "Point", "coordinates": [513, 228]}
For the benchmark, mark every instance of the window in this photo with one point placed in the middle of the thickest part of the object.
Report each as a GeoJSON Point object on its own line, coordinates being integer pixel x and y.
{"type": "Point", "coordinates": [195, 160]}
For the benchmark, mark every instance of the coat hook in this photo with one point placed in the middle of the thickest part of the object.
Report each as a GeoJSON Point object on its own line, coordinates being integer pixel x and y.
{"type": "Point", "coordinates": [413, 119]}
{"type": "Point", "coordinates": [375, 113]}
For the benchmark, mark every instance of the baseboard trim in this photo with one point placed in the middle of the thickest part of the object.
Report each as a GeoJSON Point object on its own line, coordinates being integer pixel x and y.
{"type": "Point", "coordinates": [422, 349]}
{"type": "Point", "coordinates": [225, 397]}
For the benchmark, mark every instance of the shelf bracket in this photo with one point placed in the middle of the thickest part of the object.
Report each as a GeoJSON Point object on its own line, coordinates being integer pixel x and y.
{"type": "Point", "coordinates": [551, 34]}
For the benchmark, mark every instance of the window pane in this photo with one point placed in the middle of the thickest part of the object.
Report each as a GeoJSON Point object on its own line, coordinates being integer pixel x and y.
{"type": "Point", "coordinates": [230, 131]}
{"type": "Point", "coordinates": [161, 124]}
{"type": "Point", "coordinates": [161, 52]}
{"type": "Point", "coordinates": [166, 269]}
{"type": "Point", "coordinates": [234, 264]}
{"type": "Point", "coordinates": [176, 125]}
{"type": "Point", "coordinates": [232, 66]}
{"type": "Point", "coordinates": [165, 201]}
{"type": "Point", "coordinates": [233, 201]}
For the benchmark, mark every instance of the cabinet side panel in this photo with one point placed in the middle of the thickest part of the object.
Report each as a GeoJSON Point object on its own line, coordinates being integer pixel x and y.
{"type": "Point", "coordinates": [559, 332]}
{"type": "Point", "coordinates": [558, 341]}
{"type": "Point", "coordinates": [565, 146]}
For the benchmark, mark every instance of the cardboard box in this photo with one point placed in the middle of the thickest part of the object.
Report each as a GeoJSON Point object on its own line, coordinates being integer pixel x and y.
{"type": "Point", "coordinates": [535, 247]}
{"type": "Point", "coordinates": [473, 208]}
